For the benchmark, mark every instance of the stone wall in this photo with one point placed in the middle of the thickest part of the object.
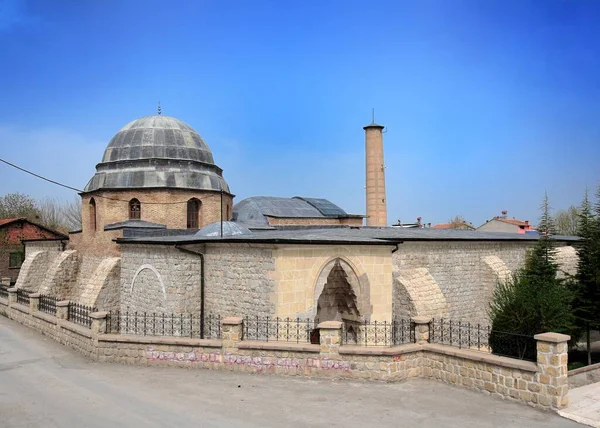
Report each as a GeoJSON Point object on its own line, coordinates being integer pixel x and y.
{"type": "Point", "coordinates": [301, 272]}
{"type": "Point", "coordinates": [461, 271]}
{"type": "Point", "coordinates": [39, 258]}
{"type": "Point", "coordinates": [542, 384]}
{"type": "Point", "coordinates": [158, 278]}
{"type": "Point", "coordinates": [239, 279]}
{"type": "Point", "coordinates": [584, 376]}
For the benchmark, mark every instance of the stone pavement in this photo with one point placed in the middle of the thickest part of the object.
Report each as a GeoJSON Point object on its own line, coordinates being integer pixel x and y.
{"type": "Point", "coordinates": [584, 405]}
{"type": "Point", "coordinates": [43, 384]}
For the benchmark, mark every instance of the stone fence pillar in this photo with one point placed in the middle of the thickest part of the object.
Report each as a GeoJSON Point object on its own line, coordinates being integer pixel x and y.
{"type": "Point", "coordinates": [552, 359]}
{"type": "Point", "coordinates": [231, 333]}
{"type": "Point", "coordinates": [62, 310]}
{"type": "Point", "coordinates": [12, 296]}
{"type": "Point", "coordinates": [34, 302]}
{"type": "Point", "coordinates": [99, 322]}
{"type": "Point", "coordinates": [421, 329]}
{"type": "Point", "coordinates": [330, 333]}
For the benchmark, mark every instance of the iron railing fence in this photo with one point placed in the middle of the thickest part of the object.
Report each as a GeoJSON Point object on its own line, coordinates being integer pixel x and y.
{"type": "Point", "coordinates": [80, 314]}
{"type": "Point", "coordinates": [4, 291]}
{"type": "Point", "coordinates": [269, 329]}
{"type": "Point", "coordinates": [48, 304]}
{"type": "Point", "coordinates": [385, 333]}
{"type": "Point", "coordinates": [23, 297]}
{"type": "Point", "coordinates": [163, 324]}
{"type": "Point", "coordinates": [482, 338]}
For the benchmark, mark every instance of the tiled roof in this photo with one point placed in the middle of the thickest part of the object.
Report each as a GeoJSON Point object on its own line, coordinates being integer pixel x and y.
{"type": "Point", "coordinates": [5, 221]}
{"type": "Point", "coordinates": [513, 221]}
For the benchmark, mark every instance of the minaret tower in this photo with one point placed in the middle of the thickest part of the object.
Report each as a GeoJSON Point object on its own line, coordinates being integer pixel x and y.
{"type": "Point", "coordinates": [376, 201]}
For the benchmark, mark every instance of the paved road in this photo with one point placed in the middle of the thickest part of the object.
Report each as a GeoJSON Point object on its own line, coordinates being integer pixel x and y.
{"type": "Point", "coordinates": [43, 384]}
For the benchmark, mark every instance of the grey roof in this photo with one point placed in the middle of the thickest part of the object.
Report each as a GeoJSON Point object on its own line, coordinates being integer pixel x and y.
{"type": "Point", "coordinates": [252, 211]}
{"type": "Point", "coordinates": [351, 235]}
{"type": "Point", "coordinates": [157, 151]}
{"type": "Point", "coordinates": [229, 229]}
{"type": "Point", "coordinates": [137, 224]}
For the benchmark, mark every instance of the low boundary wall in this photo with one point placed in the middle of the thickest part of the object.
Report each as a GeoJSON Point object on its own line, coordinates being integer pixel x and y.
{"type": "Point", "coordinates": [584, 376]}
{"type": "Point", "coordinates": [543, 384]}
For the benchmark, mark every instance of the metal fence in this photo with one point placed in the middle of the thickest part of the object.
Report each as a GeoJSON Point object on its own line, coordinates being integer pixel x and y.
{"type": "Point", "coordinates": [396, 332]}
{"type": "Point", "coordinates": [80, 314]}
{"type": "Point", "coordinates": [482, 338]}
{"type": "Point", "coordinates": [162, 324]}
{"type": "Point", "coordinates": [23, 297]}
{"type": "Point", "coordinates": [269, 329]}
{"type": "Point", "coordinates": [48, 304]}
{"type": "Point", "coordinates": [4, 291]}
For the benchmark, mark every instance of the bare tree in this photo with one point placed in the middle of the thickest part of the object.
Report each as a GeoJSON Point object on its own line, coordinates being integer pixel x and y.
{"type": "Point", "coordinates": [566, 221]}
{"type": "Point", "coordinates": [59, 215]}
{"type": "Point", "coordinates": [72, 214]}
{"type": "Point", "coordinates": [459, 222]}
{"type": "Point", "coordinates": [13, 205]}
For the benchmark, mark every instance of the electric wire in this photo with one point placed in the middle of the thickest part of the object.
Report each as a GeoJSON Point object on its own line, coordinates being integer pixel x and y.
{"type": "Point", "coordinates": [98, 196]}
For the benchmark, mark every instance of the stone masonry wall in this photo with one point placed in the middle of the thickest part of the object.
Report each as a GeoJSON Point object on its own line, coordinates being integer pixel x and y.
{"type": "Point", "coordinates": [461, 272]}
{"type": "Point", "coordinates": [542, 384]}
{"type": "Point", "coordinates": [239, 280]}
{"type": "Point", "coordinates": [158, 278]}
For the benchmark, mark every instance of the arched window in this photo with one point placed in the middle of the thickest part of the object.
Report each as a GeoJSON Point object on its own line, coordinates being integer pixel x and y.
{"type": "Point", "coordinates": [193, 214]}
{"type": "Point", "coordinates": [228, 217]}
{"type": "Point", "coordinates": [135, 209]}
{"type": "Point", "coordinates": [92, 214]}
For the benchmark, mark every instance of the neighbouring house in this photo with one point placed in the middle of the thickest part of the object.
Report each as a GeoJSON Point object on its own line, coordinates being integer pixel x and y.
{"type": "Point", "coordinates": [13, 231]}
{"type": "Point", "coordinates": [508, 225]}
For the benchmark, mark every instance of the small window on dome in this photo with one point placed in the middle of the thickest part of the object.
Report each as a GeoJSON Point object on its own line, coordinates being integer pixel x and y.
{"type": "Point", "coordinates": [193, 214]}
{"type": "Point", "coordinates": [92, 215]}
{"type": "Point", "coordinates": [135, 209]}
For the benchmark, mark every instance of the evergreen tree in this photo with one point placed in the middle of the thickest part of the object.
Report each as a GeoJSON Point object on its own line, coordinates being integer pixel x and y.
{"type": "Point", "coordinates": [533, 301]}
{"type": "Point", "coordinates": [541, 266]}
{"type": "Point", "coordinates": [587, 287]}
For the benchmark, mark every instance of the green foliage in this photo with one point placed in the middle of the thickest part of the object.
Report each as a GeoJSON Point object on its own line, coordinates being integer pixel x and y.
{"type": "Point", "coordinates": [587, 285]}
{"type": "Point", "coordinates": [533, 300]}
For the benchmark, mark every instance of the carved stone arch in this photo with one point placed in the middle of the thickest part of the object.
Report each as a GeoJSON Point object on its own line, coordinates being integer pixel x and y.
{"type": "Point", "coordinates": [357, 281]}
{"type": "Point", "coordinates": [153, 269]}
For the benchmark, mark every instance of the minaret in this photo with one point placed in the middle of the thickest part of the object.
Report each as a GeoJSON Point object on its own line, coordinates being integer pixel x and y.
{"type": "Point", "coordinates": [376, 201]}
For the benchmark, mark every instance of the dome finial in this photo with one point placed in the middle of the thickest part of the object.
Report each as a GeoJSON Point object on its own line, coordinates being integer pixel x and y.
{"type": "Point", "coordinates": [159, 109]}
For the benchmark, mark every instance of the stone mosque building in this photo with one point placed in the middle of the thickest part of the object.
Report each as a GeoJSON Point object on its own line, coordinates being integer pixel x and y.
{"type": "Point", "coordinates": [161, 233]}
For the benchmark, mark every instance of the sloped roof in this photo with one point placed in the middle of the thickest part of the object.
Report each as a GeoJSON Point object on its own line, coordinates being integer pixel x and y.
{"type": "Point", "coordinates": [254, 210]}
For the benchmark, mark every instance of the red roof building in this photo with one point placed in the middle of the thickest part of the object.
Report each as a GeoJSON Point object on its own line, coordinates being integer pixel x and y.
{"type": "Point", "coordinates": [13, 231]}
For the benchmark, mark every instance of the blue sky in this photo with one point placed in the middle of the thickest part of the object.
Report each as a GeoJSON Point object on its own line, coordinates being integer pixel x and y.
{"type": "Point", "coordinates": [487, 103]}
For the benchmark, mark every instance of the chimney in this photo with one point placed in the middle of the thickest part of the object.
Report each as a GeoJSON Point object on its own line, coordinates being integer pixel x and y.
{"type": "Point", "coordinates": [375, 176]}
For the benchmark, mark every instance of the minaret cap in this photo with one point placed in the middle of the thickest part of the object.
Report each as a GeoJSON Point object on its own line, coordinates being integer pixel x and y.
{"type": "Point", "coordinates": [373, 125]}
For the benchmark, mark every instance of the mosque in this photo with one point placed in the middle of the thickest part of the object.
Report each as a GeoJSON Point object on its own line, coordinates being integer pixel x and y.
{"type": "Point", "coordinates": [161, 233]}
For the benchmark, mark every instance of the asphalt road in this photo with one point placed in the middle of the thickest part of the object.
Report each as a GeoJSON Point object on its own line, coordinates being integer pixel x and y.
{"type": "Point", "coordinates": [43, 384]}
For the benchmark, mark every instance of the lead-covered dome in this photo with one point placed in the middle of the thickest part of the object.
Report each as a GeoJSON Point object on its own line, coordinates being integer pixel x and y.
{"type": "Point", "coordinates": [157, 151]}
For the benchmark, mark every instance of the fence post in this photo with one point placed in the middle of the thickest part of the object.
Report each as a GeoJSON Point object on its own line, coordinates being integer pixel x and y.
{"type": "Point", "coordinates": [552, 359]}
{"type": "Point", "coordinates": [12, 296]}
{"type": "Point", "coordinates": [421, 329]}
{"type": "Point", "coordinates": [231, 333]}
{"type": "Point", "coordinates": [34, 302]}
{"type": "Point", "coordinates": [62, 310]}
{"type": "Point", "coordinates": [99, 322]}
{"type": "Point", "coordinates": [330, 333]}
